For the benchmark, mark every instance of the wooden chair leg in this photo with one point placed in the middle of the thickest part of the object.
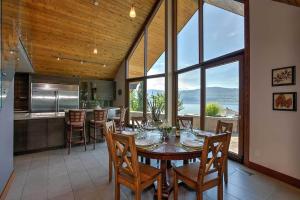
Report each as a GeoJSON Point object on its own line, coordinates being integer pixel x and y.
{"type": "Point", "coordinates": [95, 130]}
{"type": "Point", "coordinates": [117, 191]}
{"type": "Point", "coordinates": [175, 186]}
{"type": "Point", "coordinates": [109, 169]}
{"type": "Point", "coordinates": [220, 190]}
{"type": "Point", "coordinates": [159, 187]}
{"type": "Point", "coordinates": [138, 193]}
{"type": "Point", "coordinates": [199, 195]}
{"type": "Point", "coordinates": [84, 138]}
{"type": "Point", "coordinates": [226, 172]}
{"type": "Point", "coordinates": [70, 140]}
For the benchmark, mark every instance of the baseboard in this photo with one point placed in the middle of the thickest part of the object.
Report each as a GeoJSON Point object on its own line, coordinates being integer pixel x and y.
{"type": "Point", "coordinates": [274, 174]}
{"type": "Point", "coordinates": [7, 186]}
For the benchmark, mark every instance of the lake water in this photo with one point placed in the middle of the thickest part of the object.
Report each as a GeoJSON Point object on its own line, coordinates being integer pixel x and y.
{"type": "Point", "coordinates": [195, 108]}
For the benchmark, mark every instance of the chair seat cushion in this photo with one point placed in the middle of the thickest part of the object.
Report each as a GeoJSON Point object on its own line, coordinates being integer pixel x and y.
{"type": "Point", "coordinates": [191, 171]}
{"type": "Point", "coordinates": [97, 122]}
{"type": "Point", "coordinates": [75, 124]}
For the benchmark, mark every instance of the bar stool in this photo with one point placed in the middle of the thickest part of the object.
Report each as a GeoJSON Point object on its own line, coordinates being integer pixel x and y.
{"type": "Point", "coordinates": [76, 123]}
{"type": "Point", "coordinates": [100, 118]}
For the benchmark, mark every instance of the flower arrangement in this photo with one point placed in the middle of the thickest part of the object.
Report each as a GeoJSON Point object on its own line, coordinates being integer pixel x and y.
{"type": "Point", "coordinates": [165, 128]}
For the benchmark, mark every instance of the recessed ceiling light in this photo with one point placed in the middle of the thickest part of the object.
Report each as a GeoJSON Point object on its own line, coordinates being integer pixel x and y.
{"type": "Point", "coordinates": [96, 3]}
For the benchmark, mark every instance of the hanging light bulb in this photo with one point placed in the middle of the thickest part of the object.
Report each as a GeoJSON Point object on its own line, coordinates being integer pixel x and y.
{"type": "Point", "coordinates": [132, 12]}
{"type": "Point", "coordinates": [96, 3]}
{"type": "Point", "coordinates": [95, 51]}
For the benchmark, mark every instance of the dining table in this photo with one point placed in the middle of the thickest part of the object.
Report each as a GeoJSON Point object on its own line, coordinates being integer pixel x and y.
{"type": "Point", "coordinates": [172, 148]}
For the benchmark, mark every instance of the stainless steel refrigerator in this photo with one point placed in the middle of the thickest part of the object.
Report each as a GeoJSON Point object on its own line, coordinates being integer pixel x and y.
{"type": "Point", "coordinates": [54, 97]}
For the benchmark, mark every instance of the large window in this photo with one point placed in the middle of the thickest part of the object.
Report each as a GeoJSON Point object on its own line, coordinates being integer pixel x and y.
{"type": "Point", "coordinates": [146, 64]}
{"type": "Point", "coordinates": [223, 28]}
{"type": "Point", "coordinates": [187, 33]}
{"type": "Point", "coordinates": [136, 96]}
{"type": "Point", "coordinates": [156, 98]}
{"type": "Point", "coordinates": [189, 95]}
{"type": "Point", "coordinates": [156, 43]}
{"type": "Point", "coordinates": [222, 99]}
{"type": "Point", "coordinates": [136, 63]}
{"type": "Point", "coordinates": [211, 59]}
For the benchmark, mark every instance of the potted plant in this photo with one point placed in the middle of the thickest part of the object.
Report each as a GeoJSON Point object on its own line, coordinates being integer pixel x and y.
{"type": "Point", "coordinates": [156, 106]}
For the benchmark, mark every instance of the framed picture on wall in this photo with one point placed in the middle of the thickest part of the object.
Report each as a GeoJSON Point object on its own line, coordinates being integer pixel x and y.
{"type": "Point", "coordinates": [285, 101]}
{"type": "Point", "coordinates": [283, 76]}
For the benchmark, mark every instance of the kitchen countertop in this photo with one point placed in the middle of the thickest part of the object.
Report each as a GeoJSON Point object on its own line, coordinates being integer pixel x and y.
{"type": "Point", "coordinates": [28, 116]}
{"type": "Point", "coordinates": [48, 115]}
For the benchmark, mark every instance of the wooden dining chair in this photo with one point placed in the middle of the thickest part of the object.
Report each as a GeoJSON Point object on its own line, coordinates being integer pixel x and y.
{"type": "Point", "coordinates": [224, 127]}
{"type": "Point", "coordinates": [98, 123]}
{"type": "Point", "coordinates": [120, 121]}
{"type": "Point", "coordinates": [137, 122]}
{"type": "Point", "coordinates": [76, 123]}
{"type": "Point", "coordinates": [185, 122]}
{"type": "Point", "coordinates": [128, 171]}
{"type": "Point", "coordinates": [209, 172]}
{"type": "Point", "coordinates": [108, 131]}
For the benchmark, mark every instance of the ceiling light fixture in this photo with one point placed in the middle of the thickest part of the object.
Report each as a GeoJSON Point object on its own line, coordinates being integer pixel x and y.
{"type": "Point", "coordinates": [95, 51]}
{"type": "Point", "coordinates": [58, 58]}
{"type": "Point", "coordinates": [132, 12]}
{"type": "Point", "coordinates": [96, 3]}
{"type": "Point", "coordinates": [11, 52]}
{"type": "Point", "coordinates": [104, 65]}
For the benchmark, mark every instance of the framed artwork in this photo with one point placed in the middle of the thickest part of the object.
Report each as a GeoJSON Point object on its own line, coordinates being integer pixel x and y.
{"type": "Point", "coordinates": [285, 101]}
{"type": "Point", "coordinates": [283, 76]}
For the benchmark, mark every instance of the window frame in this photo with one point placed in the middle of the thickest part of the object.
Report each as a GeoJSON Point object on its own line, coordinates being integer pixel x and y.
{"type": "Point", "coordinates": [145, 77]}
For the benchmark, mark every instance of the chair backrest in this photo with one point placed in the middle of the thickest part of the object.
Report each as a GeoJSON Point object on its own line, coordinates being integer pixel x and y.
{"type": "Point", "coordinates": [185, 122]}
{"type": "Point", "coordinates": [138, 121]}
{"type": "Point", "coordinates": [123, 146]}
{"type": "Point", "coordinates": [224, 127]}
{"type": "Point", "coordinates": [122, 114]}
{"type": "Point", "coordinates": [76, 116]}
{"type": "Point", "coordinates": [213, 156]}
{"type": "Point", "coordinates": [100, 115]}
{"type": "Point", "coordinates": [109, 129]}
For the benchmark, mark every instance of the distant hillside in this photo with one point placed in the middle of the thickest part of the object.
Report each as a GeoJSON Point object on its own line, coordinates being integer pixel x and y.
{"type": "Point", "coordinates": [213, 94]}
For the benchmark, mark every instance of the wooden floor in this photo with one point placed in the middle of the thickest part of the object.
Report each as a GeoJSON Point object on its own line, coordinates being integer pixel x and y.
{"type": "Point", "coordinates": [83, 175]}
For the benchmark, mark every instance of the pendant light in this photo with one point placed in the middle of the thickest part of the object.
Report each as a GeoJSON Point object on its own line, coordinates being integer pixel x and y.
{"type": "Point", "coordinates": [95, 51]}
{"type": "Point", "coordinates": [132, 12]}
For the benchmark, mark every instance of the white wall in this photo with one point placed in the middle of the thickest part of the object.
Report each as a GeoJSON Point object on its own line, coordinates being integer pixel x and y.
{"type": "Point", "coordinates": [120, 84]}
{"type": "Point", "coordinates": [274, 42]}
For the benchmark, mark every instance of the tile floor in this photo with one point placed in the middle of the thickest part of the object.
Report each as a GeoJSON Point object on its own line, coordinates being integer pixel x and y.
{"type": "Point", "coordinates": [84, 175]}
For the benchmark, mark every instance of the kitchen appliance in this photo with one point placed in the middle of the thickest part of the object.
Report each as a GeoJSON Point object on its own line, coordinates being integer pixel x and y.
{"type": "Point", "coordinates": [54, 97]}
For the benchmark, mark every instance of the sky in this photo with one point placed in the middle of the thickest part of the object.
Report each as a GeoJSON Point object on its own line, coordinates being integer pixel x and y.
{"type": "Point", "coordinates": [223, 33]}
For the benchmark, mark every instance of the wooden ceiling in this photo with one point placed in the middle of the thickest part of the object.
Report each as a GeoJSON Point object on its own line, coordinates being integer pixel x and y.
{"type": "Point", "coordinates": [290, 2]}
{"type": "Point", "coordinates": [71, 29]}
